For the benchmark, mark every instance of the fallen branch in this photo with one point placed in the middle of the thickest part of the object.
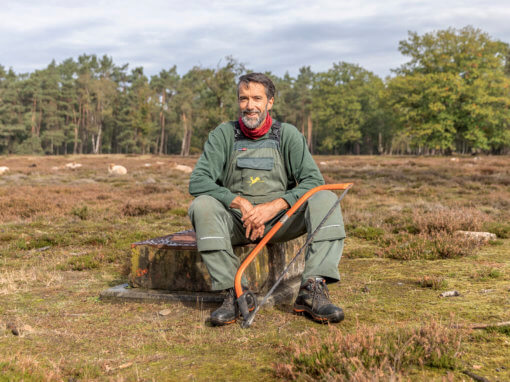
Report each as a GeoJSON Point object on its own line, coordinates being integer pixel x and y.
{"type": "Point", "coordinates": [482, 326]}
{"type": "Point", "coordinates": [475, 376]}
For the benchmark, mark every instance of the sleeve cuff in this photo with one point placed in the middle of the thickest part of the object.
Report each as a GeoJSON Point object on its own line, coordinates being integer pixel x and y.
{"type": "Point", "coordinates": [227, 199]}
{"type": "Point", "coordinates": [289, 198]}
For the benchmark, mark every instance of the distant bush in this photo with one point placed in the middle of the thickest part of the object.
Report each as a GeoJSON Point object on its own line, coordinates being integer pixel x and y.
{"type": "Point", "coordinates": [501, 230]}
{"type": "Point", "coordinates": [371, 355]}
{"type": "Point", "coordinates": [405, 246]}
{"type": "Point", "coordinates": [434, 282]}
{"type": "Point", "coordinates": [486, 273]}
{"type": "Point", "coordinates": [80, 263]}
{"type": "Point", "coordinates": [367, 233]}
{"type": "Point", "coordinates": [30, 146]}
{"type": "Point", "coordinates": [80, 212]}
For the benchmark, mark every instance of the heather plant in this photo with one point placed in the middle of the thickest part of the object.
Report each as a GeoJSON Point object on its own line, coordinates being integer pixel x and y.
{"type": "Point", "coordinates": [439, 245]}
{"type": "Point", "coordinates": [448, 220]}
{"type": "Point", "coordinates": [372, 354]}
{"type": "Point", "coordinates": [433, 282]}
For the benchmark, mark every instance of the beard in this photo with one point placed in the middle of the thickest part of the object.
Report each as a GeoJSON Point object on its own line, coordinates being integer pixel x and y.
{"type": "Point", "coordinates": [253, 123]}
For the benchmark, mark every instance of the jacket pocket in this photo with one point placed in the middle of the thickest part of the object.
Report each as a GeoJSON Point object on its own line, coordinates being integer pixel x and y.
{"type": "Point", "coordinates": [263, 163]}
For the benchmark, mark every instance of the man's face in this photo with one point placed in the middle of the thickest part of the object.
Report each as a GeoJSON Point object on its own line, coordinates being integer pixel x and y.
{"type": "Point", "coordinates": [253, 104]}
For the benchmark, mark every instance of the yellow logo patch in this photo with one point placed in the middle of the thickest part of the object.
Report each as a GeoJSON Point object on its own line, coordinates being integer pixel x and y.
{"type": "Point", "coordinates": [255, 180]}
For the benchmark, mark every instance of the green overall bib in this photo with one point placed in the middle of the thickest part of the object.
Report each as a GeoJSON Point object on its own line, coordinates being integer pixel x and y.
{"type": "Point", "coordinates": [256, 171]}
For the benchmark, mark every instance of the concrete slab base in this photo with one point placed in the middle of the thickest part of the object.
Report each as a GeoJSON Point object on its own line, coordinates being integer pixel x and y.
{"type": "Point", "coordinates": [285, 294]}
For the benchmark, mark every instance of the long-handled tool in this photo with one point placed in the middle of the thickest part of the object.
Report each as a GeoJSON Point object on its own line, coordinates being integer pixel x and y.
{"type": "Point", "coordinates": [248, 316]}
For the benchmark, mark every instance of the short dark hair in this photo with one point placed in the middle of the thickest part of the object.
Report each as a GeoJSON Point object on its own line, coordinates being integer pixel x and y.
{"type": "Point", "coordinates": [258, 78]}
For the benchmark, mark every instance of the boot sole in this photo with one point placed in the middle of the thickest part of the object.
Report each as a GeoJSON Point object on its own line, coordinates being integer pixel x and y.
{"type": "Point", "coordinates": [299, 309]}
{"type": "Point", "coordinates": [223, 323]}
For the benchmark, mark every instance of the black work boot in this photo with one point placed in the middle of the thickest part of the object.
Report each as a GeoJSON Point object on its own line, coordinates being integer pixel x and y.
{"type": "Point", "coordinates": [313, 298]}
{"type": "Point", "coordinates": [228, 312]}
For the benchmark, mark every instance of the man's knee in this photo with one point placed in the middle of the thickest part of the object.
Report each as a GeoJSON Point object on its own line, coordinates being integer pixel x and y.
{"type": "Point", "coordinates": [324, 197]}
{"type": "Point", "coordinates": [318, 207]}
{"type": "Point", "coordinates": [204, 205]}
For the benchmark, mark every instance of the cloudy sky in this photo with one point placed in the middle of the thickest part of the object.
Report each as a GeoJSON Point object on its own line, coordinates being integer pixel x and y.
{"type": "Point", "coordinates": [277, 35]}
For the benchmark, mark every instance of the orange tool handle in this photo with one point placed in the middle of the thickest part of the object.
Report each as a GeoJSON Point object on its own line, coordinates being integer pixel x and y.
{"type": "Point", "coordinates": [277, 226]}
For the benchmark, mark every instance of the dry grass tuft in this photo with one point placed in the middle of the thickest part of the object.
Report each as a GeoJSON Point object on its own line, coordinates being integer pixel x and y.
{"type": "Point", "coordinates": [21, 280]}
{"type": "Point", "coordinates": [434, 282]}
{"type": "Point", "coordinates": [140, 208]}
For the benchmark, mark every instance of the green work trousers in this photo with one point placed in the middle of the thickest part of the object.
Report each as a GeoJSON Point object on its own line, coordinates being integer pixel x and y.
{"type": "Point", "coordinates": [219, 228]}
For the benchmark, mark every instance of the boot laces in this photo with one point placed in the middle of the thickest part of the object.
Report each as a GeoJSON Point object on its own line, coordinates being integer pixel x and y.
{"type": "Point", "coordinates": [320, 293]}
{"type": "Point", "coordinates": [229, 298]}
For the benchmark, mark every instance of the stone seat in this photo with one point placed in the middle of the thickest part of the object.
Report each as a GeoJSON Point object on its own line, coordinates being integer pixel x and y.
{"type": "Point", "coordinates": [172, 263]}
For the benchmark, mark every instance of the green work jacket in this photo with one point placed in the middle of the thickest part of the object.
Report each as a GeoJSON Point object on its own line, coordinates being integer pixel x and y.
{"type": "Point", "coordinates": [213, 172]}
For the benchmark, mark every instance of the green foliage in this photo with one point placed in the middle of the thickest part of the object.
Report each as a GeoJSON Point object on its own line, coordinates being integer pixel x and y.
{"type": "Point", "coordinates": [502, 230]}
{"type": "Point", "coordinates": [80, 212]}
{"type": "Point", "coordinates": [486, 273]}
{"type": "Point", "coordinates": [499, 329]}
{"type": "Point", "coordinates": [30, 146]}
{"type": "Point", "coordinates": [452, 95]}
{"type": "Point", "coordinates": [367, 233]}
{"type": "Point", "coordinates": [80, 263]}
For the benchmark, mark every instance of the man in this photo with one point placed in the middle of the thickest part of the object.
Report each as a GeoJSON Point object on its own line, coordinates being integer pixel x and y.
{"type": "Point", "coordinates": [250, 172]}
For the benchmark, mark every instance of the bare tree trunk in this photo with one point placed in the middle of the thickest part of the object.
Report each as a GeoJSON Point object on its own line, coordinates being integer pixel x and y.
{"type": "Point", "coordinates": [38, 125]}
{"type": "Point", "coordinates": [310, 130]}
{"type": "Point", "coordinates": [162, 138]}
{"type": "Point", "coordinates": [186, 139]}
{"type": "Point", "coordinates": [76, 129]}
{"type": "Point", "coordinates": [97, 146]}
{"type": "Point", "coordinates": [379, 144]}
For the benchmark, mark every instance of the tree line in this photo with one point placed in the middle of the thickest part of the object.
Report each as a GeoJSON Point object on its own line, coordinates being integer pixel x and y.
{"type": "Point", "coordinates": [452, 95]}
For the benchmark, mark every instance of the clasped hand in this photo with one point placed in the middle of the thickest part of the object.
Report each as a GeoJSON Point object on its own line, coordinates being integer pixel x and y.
{"type": "Point", "coordinates": [255, 217]}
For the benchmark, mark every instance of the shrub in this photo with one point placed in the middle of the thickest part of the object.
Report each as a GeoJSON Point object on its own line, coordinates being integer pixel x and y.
{"type": "Point", "coordinates": [501, 230]}
{"type": "Point", "coordinates": [448, 220]}
{"type": "Point", "coordinates": [179, 212]}
{"type": "Point", "coordinates": [435, 246]}
{"type": "Point", "coordinates": [367, 233]}
{"type": "Point", "coordinates": [434, 282]}
{"type": "Point", "coordinates": [362, 252]}
{"type": "Point", "coordinates": [486, 273]}
{"type": "Point", "coordinates": [80, 212]}
{"type": "Point", "coordinates": [80, 263]}
{"type": "Point", "coordinates": [372, 355]}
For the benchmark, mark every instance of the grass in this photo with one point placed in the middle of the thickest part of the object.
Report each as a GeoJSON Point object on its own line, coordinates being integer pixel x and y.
{"type": "Point", "coordinates": [65, 236]}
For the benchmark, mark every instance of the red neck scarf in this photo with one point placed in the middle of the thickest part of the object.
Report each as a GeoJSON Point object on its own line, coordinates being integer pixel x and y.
{"type": "Point", "coordinates": [259, 131]}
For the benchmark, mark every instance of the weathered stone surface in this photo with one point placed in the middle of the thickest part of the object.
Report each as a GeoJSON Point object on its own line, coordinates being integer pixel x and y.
{"type": "Point", "coordinates": [124, 292]}
{"type": "Point", "coordinates": [285, 294]}
{"type": "Point", "coordinates": [480, 236]}
{"type": "Point", "coordinates": [173, 263]}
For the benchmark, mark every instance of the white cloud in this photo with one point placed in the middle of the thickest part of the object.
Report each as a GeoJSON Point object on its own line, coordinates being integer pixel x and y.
{"type": "Point", "coordinates": [266, 35]}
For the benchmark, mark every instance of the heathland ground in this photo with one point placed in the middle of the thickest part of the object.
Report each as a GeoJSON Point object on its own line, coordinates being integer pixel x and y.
{"type": "Point", "coordinates": [65, 236]}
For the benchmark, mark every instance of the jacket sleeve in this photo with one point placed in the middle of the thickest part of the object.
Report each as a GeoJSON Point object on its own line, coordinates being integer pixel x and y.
{"type": "Point", "coordinates": [206, 176]}
{"type": "Point", "coordinates": [301, 167]}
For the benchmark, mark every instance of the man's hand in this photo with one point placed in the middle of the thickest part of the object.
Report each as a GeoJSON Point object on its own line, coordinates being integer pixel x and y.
{"type": "Point", "coordinates": [255, 217]}
{"type": "Point", "coordinates": [253, 232]}
{"type": "Point", "coordinates": [262, 213]}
